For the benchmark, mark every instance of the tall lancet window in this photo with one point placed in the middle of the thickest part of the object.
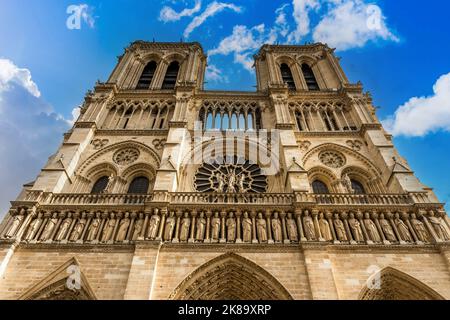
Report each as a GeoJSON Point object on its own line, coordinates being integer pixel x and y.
{"type": "Point", "coordinates": [286, 74]}
{"type": "Point", "coordinates": [170, 79]}
{"type": "Point", "coordinates": [310, 79]}
{"type": "Point", "coordinates": [147, 76]}
{"type": "Point", "coordinates": [139, 185]}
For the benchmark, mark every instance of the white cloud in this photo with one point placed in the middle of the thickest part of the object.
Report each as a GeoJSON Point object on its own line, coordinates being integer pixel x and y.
{"type": "Point", "coordinates": [168, 14]}
{"type": "Point", "coordinates": [302, 9]}
{"type": "Point", "coordinates": [243, 42]}
{"type": "Point", "coordinates": [214, 74]}
{"type": "Point", "coordinates": [351, 24]}
{"type": "Point", "coordinates": [422, 115]}
{"type": "Point", "coordinates": [30, 130]}
{"type": "Point", "coordinates": [211, 10]}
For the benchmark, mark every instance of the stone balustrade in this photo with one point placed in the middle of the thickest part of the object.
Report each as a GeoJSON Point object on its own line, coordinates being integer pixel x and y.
{"type": "Point", "coordinates": [226, 225]}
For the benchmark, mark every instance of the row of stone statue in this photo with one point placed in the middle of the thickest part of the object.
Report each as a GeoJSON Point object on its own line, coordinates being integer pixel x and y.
{"type": "Point", "coordinates": [229, 227]}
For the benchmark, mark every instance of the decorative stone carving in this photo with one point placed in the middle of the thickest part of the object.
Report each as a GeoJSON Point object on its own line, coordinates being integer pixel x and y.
{"type": "Point", "coordinates": [169, 227]}
{"type": "Point", "coordinates": [309, 227]}
{"type": "Point", "coordinates": [201, 227]}
{"type": "Point", "coordinates": [159, 143]}
{"type": "Point", "coordinates": [78, 229]}
{"type": "Point", "coordinates": [215, 226]}
{"type": "Point", "coordinates": [231, 228]}
{"type": "Point", "coordinates": [153, 228]}
{"type": "Point", "coordinates": [340, 229]}
{"type": "Point", "coordinates": [371, 228]}
{"type": "Point", "coordinates": [292, 228]}
{"type": "Point", "coordinates": [99, 143]}
{"type": "Point", "coordinates": [304, 145]}
{"type": "Point", "coordinates": [33, 228]}
{"type": "Point", "coordinates": [355, 227]}
{"type": "Point", "coordinates": [276, 228]}
{"type": "Point", "coordinates": [137, 229]}
{"type": "Point", "coordinates": [126, 156]}
{"type": "Point", "coordinates": [93, 229]}
{"type": "Point", "coordinates": [403, 229]}
{"type": "Point", "coordinates": [109, 229]}
{"type": "Point", "coordinates": [247, 228]}
{"type": "Point", "coordinates": [347, 182]}
{"type": "Point", "coordinates": [17, 221]}
{"type": "Point", "coordinates": [185, 226]}
{"type": "Point", "coordinates": [261, 228]}
{"type": "Point", "coordinates": [123, 228]}
{"type": "Point", "coordinates": [325, 228]}
{"type": "Point", "coordinates": [332, 159]}
{"type": "Point", "coordinates": [387, 229]}
{"type": "Point", "coordinates": [49, 227]}
{"type": "Point", "coordinates": [356, 145]}
{"type": "Point", "coordinates": [439, 228]}
{"type": "Point", "coordinates": [420, 229]}
{"type": "Point", "coordinates": [64, 228]}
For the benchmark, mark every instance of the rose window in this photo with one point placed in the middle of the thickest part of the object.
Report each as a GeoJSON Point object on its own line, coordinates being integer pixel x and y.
{"type": "Point", "coordinates": [332, 159]}
{"type": "Point", "coordinates": [126, 156]}
{"type": "Point", "coordinates": [230, 177]}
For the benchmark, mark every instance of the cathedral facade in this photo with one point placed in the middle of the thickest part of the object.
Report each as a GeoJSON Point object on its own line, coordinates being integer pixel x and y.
{"type": "Point", "coordinates": [164, 190]}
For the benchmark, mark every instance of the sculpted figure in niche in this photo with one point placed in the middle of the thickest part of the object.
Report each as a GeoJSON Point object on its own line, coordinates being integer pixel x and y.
{"type": "Point", "coordinates": [325, 228]}
{"type": "Point", "coordinates": [231, 228]}
{"type": "Point", "coordinates": [34, 228]}
{"type": "Point", "coordinates": [241, 183]}
{"type": "Point", "coordinates": [78, 230]}
{"type": "Point", "coordinates": [371, 228]}
{"type": "Point", "coordinates": [440, 230]}
{"type": "Point", "coordinates": [221, 179]}
{"type": "Point", "coordinates": [48, 230]}
{"type": "Point", "coordinates": [110, 185]}
{"type": "Point", "coordinates": [215, 226]}
{"type": "Point", "coordinates": [154, 226]}
{"type": "Point", "coordinates": [109, 229]}
{"type": "Point", "coordinates": [247, 228]}
{"type": "Point", "coordinates": [185, 226]}
{"type": "Point", "coordinates": [348, 183]}
{"type": "Point", "coordinates": [387, 229]}
{"type": "Point", "coordinates": [201, 227]}
{"type": "Point", "coordinates": [355, 226]}
{"type": "Point", "coordinates": [309, 227]}
{"type": "Point", "coordinates": [421, 231]}
{"type": "Point", "coordinates": [137, 229]}
{"type": "Point", "coordinates": [17, 221]}
{"type": "Point", "coordinates": [65, 225]}
{"type": "Point", "coordinates": [93, 228]}
{"type": "Point", "coordinates": [232, 179]}
{"type": "Point", "coordinates": [261, 228]}
{"type": "Point", "coordinates": [340, 229]}
{"type": "Point", "coordinates": [403, 229]}
{"type": "Point", "coordinates": [123, 227]}
{"type": "Point", "coordinates": [276, 228]}
{"type": "Point", "coordinates": [169, 228]}
{"type": "Point", "coordinates": [292, 228]}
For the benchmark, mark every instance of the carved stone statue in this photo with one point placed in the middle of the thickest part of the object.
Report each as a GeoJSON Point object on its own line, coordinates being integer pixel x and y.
{"type": "Point", "coordinates": [215, 226]}
{"type": "Point", "coordinates": [137, 229]}
{"type": "Point", "coordinates": [276, 228]}
{"type": "Point", "coordinates": [241, 182]}
{"type": "Point", "coordinates": [292, 228]}
{"type": "Point", "coordinates": [109, 187]}
{"type": "Point", "coordinates": [438, 227]}
{"type": "Point", "coordinates": [309, 227]}
{"type": "Point", "coordinates": [403, 229]}
{"type": "Point", "coordinates": [221, 179]}
{"type": "Point", "coordinates": [325, 228]}
{"type": "Point", "coordinates": [231, 228]}
{"type": "Point", "coordinates": [33, 228]}
{"type": "Point", "coordinates": [153, 226]}
{"type": "Point", "coordinates": [201, 227]}
{"type": "Point", "coordinates": [49, 227]}
{"type": "Point", "coordinates": [247, 228]}
{"type": "Point", "coordinates": [17, 221]}
{"type": "Point", "coordinates": [185, 226]}
{"type": "Point", "coordinates": [387, 229]}
{"type": "Point", "coordinates": [123, 228]}
{"type": "Point", "coordinates": [340, 229]}
{"type": "Point", "coordinates": [232, 179]}
{"type": "Point", "coordinates": [93, 229]}
{"type": "Point", "coordinates": [78, 230]}
{"type": "Point", "coordinates": [169, 228]}
{"type": "Point", "coordinates": [109, 229]}
{"type": "Point", "coordinates": [355, 226]}
{"type": "Point", "coordinates": [347, 183]}
{"type": "Point", "coordinates": [420, 229]}
{"type": "Point", "coordinates": [261, 225]}
{"type": "Point", "coordinates": [371, 228]}
{"type": "Point", "coordinates": [65, 225]}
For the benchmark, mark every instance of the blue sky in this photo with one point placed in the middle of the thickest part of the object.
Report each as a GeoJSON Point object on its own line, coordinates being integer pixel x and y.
{"type": "Point", "coordinates": [398, 49]}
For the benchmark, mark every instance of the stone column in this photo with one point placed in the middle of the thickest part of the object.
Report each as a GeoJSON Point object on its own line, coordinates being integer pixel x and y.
{"type": "Point", "coordinates": [75, 216]}
{"type": "Point", "coordinates": [223, 216]}
{"type": "Point", "coordinates": [390, 217]}
{"type": "Point", "coordinates": [405, 218]}
{"type": "Point", "coordinates": [192, 234]}
{"type": "Point", "coordinates": [360, 216]}
{"type": "Point", "coordinates": [238, 227]}
{"type": "Point", "coordinates": [90, 215]}
{"type": "Point", "coordinates": [134, 215]}
{"type": "Point", "coordinates": [329, 216]}
{"type": "Point", "coordinates": [113, 236]}
{"type": "Point", "coordinates": [301, 234]}
{"type": "Point", "coordinates": [286, 239]}
{"type": "Point", "coordinates": [176, 237]}
{"type": "Point", "coordinates": [315, 214]}
{"type": "Point", "coordinates": [380, 230]}
{"type": "Point", "coordinates": [208, 226]}
{"type": "Point", "coordinates": [162, 225]}
{"type": "Point", "coordinates": [255, 235]}
{"type": "Point", "coordinates": [344, 217]}
{"type": "Point", "coordinates": [269, 227]}
{"type": "Point", "coordinates": [147, 214]}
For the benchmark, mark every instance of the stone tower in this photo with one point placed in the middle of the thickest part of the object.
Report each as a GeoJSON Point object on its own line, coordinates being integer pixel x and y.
{"type": "Point", "coordinates": [164, 190]}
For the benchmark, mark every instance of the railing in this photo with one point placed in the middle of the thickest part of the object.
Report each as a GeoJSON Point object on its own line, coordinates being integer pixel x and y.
{"type": "Point", "coordinates": [215, 198]}
{"type": "Point", "coordinates": [363, 199]}
{"type": "Point", "coordinates": [88, 199]}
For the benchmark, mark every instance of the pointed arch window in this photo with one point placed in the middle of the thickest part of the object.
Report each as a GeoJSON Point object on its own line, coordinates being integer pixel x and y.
{"type": "Point", "coordinates": [310, 79]}
{"type": "Point", "coordinates": [170, 79]}
{"type": "Point", "coordinates": [288, 79]}
{"type": "Point", "coordinates": [320, 187]}
{"type": "Point", "coordinates": [139, 185]}
{"type": "Point", "coordinates": [357, 187]}
{"type": "Point", "coordinates": [100, 185]}
{"type": "Point", "coordinates": [147, 76]}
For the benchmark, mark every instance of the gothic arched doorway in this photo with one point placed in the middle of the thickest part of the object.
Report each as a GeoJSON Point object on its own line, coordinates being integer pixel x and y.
{"type": "Point", "coordinates": [396, 285]}
{"type": "Point", "coordinates": [230, 277]}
